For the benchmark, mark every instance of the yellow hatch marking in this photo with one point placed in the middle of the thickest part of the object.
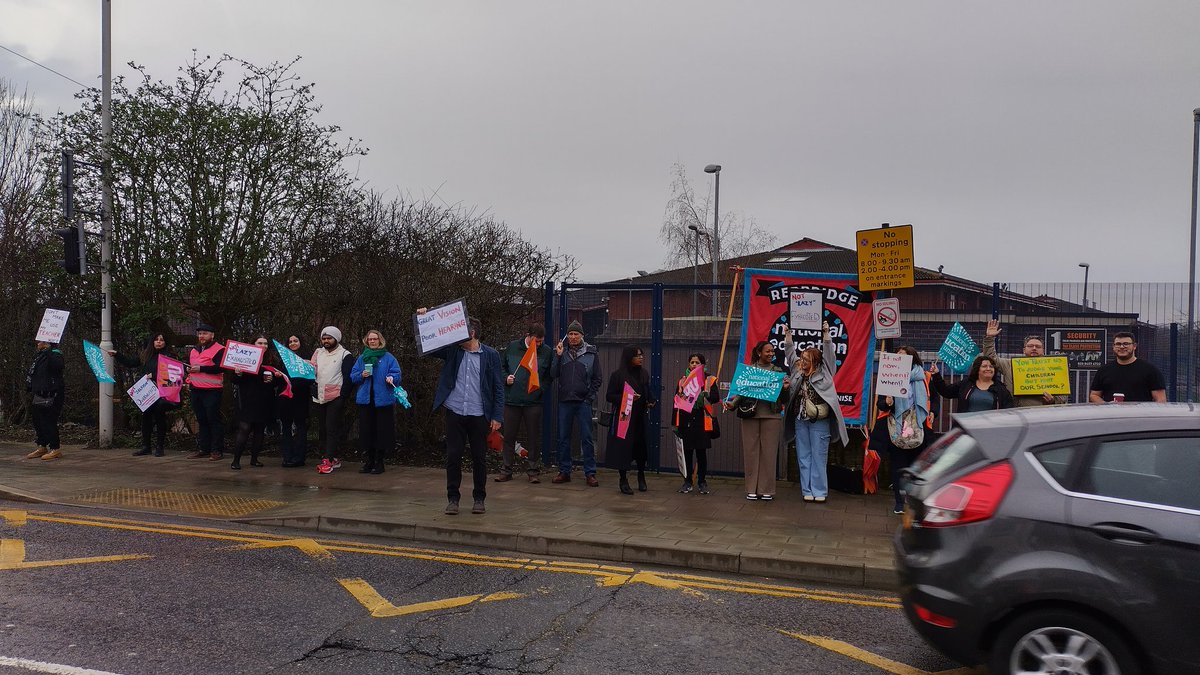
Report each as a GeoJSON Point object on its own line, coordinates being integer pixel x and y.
{"type": "Point", "coordinates": [884, 664]}
{"type": "Point", "coordinates": [308, 546]}
{"type": "Point", "coordinates": [14, 518]}
{"type": "Point", "coordinates": [380, 608]}
{"type": "Point", "coordinates": [12, 557]}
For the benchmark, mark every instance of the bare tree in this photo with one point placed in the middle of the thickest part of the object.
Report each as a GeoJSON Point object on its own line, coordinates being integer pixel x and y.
{"type": "Point", "coordinates": [740, 235]}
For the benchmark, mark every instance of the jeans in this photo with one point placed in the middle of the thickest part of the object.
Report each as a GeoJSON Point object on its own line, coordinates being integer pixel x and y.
{"type": "Point", "coordinates": [570, 412]}
{"type": "Point", "coordinates": [812, 455]}
{"type": "Point", "coordinates": [206, 403]}
{"type": "Point", "coordinates": [461, 430]}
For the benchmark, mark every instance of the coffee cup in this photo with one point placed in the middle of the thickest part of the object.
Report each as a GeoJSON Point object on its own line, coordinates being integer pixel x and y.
{"type": "Point", "coordinates": [1118, 398]}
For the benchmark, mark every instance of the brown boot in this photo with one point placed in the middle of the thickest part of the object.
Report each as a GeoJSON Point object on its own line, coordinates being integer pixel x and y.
{"type": "Point", "coordinates": [41, 450]}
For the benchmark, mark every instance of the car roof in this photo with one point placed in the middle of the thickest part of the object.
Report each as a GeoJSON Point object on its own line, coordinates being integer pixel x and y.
{"type": "Point", "coordinates": [1001, 430]}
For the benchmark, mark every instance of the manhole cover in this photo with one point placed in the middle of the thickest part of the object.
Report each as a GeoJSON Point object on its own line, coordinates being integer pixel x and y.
{"type": "Point", "coordinates": [217, 505]}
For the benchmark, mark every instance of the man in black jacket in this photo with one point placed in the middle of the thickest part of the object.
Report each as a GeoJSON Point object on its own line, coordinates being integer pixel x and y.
{"type": "Point", "coordinates": [576, 367]}
{"type": "Point", "coordinates": [45, 381]}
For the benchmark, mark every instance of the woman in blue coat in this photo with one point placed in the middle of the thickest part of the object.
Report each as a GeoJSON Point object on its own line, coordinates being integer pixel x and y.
{"type": "Point", "coordinates": [377, 374]}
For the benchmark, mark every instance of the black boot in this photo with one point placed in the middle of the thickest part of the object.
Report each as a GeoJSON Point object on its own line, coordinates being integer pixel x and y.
{"type": "Point", "coordinates": [367, 467]}
{"type": "Point", "coordinates": [641, 481]}
{"type": "Point", "coordinates": [158, 451]}
{"type": "Point", "coordinates": [254, 460]}
{"type": "Point", "coordinates": [624, 484]}
{"type": "Point", "coordinates": [143, 452]}
{"type": "Point", "coordinates": [237, 461]}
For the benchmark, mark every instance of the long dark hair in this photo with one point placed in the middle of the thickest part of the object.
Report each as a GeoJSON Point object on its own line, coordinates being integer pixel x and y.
{"type": "Point", "coordinates": [148, 350]}
{"type": "Point", "coordinates": [629, 372]}
{"type": "Point", "coordinates": [757, 352]}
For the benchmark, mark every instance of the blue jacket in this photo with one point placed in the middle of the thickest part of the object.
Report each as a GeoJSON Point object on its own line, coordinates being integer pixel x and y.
{"type": "Point", "coordinates": [491, 378]}
{"type": "Point", "coordinates": [387, 365]}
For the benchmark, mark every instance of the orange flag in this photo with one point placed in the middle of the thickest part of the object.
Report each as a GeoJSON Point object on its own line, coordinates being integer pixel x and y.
{"type": "Point", "coordinates": [529, 362]}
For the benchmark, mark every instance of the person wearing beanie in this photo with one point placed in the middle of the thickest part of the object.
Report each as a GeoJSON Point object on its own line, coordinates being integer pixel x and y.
{"type": "Point", "coordinates": [45, 382]}
{"type": "Point", "coordinates": [333, 363]}
{"type": "Point", "coordinates": [207, 382]}
{"type": "Point", "coordinates": [576, 367]}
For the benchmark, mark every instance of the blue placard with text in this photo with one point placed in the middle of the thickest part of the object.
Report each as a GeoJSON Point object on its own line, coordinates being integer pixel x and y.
{"type": "Point", "coordinates": [754, 382]}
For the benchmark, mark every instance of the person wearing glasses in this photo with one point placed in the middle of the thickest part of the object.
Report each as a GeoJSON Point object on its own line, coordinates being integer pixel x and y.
{"type": "Point", "coordinates": [1033, 347]}
{"type": "Point", "coordinates": [1128, 378]}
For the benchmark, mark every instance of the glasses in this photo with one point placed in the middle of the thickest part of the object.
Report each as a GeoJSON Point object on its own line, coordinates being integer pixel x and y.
{"type": "Point", "coordinates": [1122, 344]}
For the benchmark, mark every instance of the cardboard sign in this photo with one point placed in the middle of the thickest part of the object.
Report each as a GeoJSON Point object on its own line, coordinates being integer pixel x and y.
{"type": "Point", "coordinates": [442, 325]}
{"type": "Point", "coordinates": [692, 388]}
{"type": "Point", "coordinates": [95, 359]}
{"type": "Point", "coordinates": [765, 313]}
{"type": "Point", "coordinates": [958, 352]}
{"type": "Point", "coordinates": [296, 367]}
{"type": "Point", "coordinates": [885, 258]}
{"type": "Point", "coordinates": [887, 317]}
{"type": "Point", "coordinates": [143, 393]}
{"type": "Point", "coordinates": [54, 322]}
{"type": "Point", "coordinates": [807, 312]}
{"type": "Point", "coordinates": [893, 377]}
{"type": "Point", "coordinates": [170, 377]}
{"type": "Point", "coordinates": [754, 382]}
{"type": "Point", "coordinates": [1038, 375]}
{"type": "Point", "coordinates": [242, 357]}
{"type": "Point", "coordinates": [626, 411]}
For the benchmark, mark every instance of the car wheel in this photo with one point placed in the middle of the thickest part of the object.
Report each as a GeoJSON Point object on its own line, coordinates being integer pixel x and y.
{"type": "Point", "coordinates": [1060, 642]}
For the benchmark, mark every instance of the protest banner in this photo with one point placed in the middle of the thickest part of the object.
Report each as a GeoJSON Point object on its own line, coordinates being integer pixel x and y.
{"type": "Point", "coordinates": [887, 318]}
{"type": "Point", "coordinates": [958, 352]}
{"type": "Point", "coordinates": [296, 367]}
{"type": "Point", "coordinates": [766, 313]}
{"type": "Point", "coordinates": [242, 357]}
{"type": "Point", "coordinates": [1043, 374]}
{"type": "Point", "coordinates": [893, 376]}
{"type": "Point", "coordinates": [806, 311]}
{"type": "Point", "coordinates": [756, 382]}
{"type": "Point", "coordinates": [169, 378]}
{"type": "Point", "coordinates": [144, 393]}
{"type": "Point", "coordinates": [442, 325]}
{"type": "Point", "coordinates": [626, 412]}
{"type": "Point", "coordinates": [54, 322]}
{"type": "Point", "coordinates": [693, 388]}
{"type": "Point", "coordinates": [95, 359]}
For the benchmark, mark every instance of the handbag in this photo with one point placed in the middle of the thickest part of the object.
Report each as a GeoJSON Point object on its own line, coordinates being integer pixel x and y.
{"type": "Point", "coordinates": [906, 433]}
{"type": "Point", "coordinates": [715, 432]}
{"type": "Point", "coordinates": [605, 417]}
{"type": "Point", "coordinates": [815, 411]}
{"type": "Point", "coordinates": [746, 407]}
{"type": "Point", "coordinates": [43, 401]}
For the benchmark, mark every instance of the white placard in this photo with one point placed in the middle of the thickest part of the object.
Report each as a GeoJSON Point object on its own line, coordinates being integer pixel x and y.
{"type": "Point", "coordinates": [54, 322]}
{"type": "Point", "coordinates": [144, 393]}
{"type": "Point", "coordinates": [806, 311]}
{"type": "Point", "coordinates": [441, 326]}
{"type": "Point", "coordinates": [892, 378]}
{"type": "Point", "coordinates": [242, 357]}
{"type": "Point", "coordinates": [887, 317]}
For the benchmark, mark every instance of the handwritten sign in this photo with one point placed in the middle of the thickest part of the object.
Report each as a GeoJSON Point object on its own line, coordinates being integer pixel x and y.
{"type": "Point", "coordinates": [242, 357]}
{"type": "Point", "coordinates": [169, 378]}
{"type": "Point", "coordinates": [441, 326]}
{"type": "Point", "coordinates": [807, 312]}
{"type": "Point", "coordinates": [885, 258]}
{"type": "Point", "coordinates": [1045, 374]}
{"type": "Point", "coordinates": [95, 359]}
{"type": "Point", "coordinates": [958, 352]}
{"type": "Point", "coordinates": [297, 368]}
{"type": "Point", "coordinates": [887, 317]}
{"type": "Point", "coordinates": [893, 377]}
{"type": "Point", "coordinates": [54, 322]}
{"type": "Point", "coordinates": [144, 393]}
{"type": "Point", "coordinates": [755, 382]}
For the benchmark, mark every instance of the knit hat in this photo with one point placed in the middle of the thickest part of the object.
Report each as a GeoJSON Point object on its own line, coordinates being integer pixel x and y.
{"type": "Point", "coordinates": [575, 327]}
{"type": "Point", "coordinates": [203, 326]}
{"type": "Point", "coordinates": [332, 332]}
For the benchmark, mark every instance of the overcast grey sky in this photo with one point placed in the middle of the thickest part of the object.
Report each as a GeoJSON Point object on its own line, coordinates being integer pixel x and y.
{"type": "Point", "coordinates": [1019, 137]}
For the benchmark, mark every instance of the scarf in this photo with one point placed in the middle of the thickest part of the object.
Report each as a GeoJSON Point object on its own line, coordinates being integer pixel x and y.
{"type": "Point", "coordinates": [371, 356]}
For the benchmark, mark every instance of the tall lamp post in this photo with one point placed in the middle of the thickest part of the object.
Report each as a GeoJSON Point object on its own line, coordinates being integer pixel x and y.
{"type": "Point", "coordinates": [716, 231]}
{"type": "Point", "coordinates": [1086, 268]}
{"type": "Point", "coordinates": [699, 230]}
{"type": "Point", "coordinates": [1191, 339]}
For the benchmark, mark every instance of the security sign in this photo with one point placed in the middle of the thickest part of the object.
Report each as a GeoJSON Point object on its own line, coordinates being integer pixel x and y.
{"type": "Point", "coordinates": [887, 317]}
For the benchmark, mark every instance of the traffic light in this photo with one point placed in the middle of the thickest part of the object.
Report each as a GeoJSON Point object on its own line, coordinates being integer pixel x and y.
{"type": "Point", "coordinates": [73, 260]}
{"type": "Point", "coordinates": [74, 238]}
{"type": "Point", "coordinates": [68, 186]}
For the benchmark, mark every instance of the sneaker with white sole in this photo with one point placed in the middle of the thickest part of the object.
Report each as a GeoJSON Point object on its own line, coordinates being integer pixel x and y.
{"type": "Point", "coordinates": [337, 463]}
{"type": "Point", "coordinates": [703, 488]}
{"type": "Point", "coordinates": [325, 466]}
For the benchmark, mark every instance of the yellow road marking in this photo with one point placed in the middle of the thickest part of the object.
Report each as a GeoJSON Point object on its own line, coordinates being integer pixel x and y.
{"type": "Point", "coordinates": [12, 557]}
{"type": "Point", "coordinates": [380, 608]}
{"type": "Point", "coordinates": [311, 548]}
{"type": "Point", "coordinates": [882, 663]}
{"type": "Point", "coordinates": [14, 518]}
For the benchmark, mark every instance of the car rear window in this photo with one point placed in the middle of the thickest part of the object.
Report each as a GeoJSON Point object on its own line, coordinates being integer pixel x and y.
{"type": "Point", "coordinates": [953, 451]}
{"type": "Point", "coordinates": [1057, 461]}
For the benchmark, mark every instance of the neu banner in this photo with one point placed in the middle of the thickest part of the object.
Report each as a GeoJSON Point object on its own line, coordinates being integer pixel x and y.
{"type": "Point", "coordinates": [765, 316]}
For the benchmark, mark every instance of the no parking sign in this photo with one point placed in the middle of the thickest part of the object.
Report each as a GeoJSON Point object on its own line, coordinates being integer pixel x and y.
{"type": "Point", "coordinates": [887, 317]}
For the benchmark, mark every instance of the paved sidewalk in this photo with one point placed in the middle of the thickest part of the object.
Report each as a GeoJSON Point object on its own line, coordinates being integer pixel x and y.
{"type": "Point", "coordinates": [845, 541]}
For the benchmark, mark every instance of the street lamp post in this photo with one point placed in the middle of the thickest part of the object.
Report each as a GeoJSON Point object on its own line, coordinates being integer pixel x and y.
{"type": "Point", "coordinates": [695, 265]}
{"type": "Point", "coordinates": [1086, 268]}
{"type": "Point", "coordinates": [1191, 339]}
{"type": "Point", "coordinates": [716, 231]}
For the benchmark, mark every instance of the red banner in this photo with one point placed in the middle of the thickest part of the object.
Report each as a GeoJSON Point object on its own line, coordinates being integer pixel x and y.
{"type": "Point", "coordinates": [765, 316]}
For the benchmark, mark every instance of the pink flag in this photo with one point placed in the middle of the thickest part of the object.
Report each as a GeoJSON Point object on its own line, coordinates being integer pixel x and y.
{"type": "Point", "coordinates": [169, 378]}
{"type": "Point", "coordinates": [692, 386]}
{"type": "Point", "coordinates": [626, 412]}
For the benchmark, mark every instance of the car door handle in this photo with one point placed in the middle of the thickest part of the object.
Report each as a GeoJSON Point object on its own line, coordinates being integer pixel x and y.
{"type": "Point", "coordinates": [1123, 533]}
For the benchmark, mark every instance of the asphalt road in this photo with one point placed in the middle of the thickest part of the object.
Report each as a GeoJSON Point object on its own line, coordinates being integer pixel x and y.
{"type": "Point", "coordinates": [137, 593]}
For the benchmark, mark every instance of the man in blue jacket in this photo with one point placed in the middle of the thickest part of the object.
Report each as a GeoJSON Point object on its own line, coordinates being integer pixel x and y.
{"type": "Point", "coordinates": [576, 367]}
{"type": "Point", "coordinates": [471, 389]}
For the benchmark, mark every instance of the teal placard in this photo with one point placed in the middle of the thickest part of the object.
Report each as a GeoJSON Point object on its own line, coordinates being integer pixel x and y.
{"type": "Point", "coordinates": [959, 351]}
{"type": "Point", "coordinates": [296, 366]}
{"type": "Point", "coordinates": [95, 359]}
{"type": "Point", "coordinates": [754, 382]}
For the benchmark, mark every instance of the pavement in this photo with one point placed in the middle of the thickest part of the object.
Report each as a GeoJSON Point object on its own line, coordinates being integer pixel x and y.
{"type": "Point", "coordinates": [846, 541]}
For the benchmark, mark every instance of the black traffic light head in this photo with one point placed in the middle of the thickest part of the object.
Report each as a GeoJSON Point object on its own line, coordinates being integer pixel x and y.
{"type": "Point", "coordinates": [73, 258]}
{"type": "Point", "coordinates": [68, 185]}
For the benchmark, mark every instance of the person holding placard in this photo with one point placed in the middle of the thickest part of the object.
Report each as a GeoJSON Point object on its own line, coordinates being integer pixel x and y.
{"type": "Point", "coordinates": [45, 382]}
{"type": "Point", "coordinates": [333, 363]}
{"type": "Point", "coordinates": [1033, 347]}
{"type": "Point", "coordinates": [760, 426]}
{"type": "Point", "coordinates": [377, 374]}
{"type": "Point", "coordinates": [293, 414]}
{"type": "Point", "coordinates": [895, 407]}
{"type": "Point", "coordinates": [630, 396]}
{"type": "Point", "coordinates": [526, 362]}
{"type": "Point", "coordinates": [812, 411]}
{"type": "Point", "coordinates": [154, 418]}
{"type": "Point", "coordinates": [695, 427]}
{"type": "Point", "coordinates": [576, 367]}
{"type": "Point", "coordinates": [978, 391]}
{"type": "Point", "coordinates": [207, 381]}
{"type": "Point", "coordinates": [255, 404]}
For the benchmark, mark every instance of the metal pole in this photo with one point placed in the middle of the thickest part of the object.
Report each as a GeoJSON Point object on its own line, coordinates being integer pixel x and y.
{"type": "Point", "coordinates": [549, 414]}
{"type": "Point", "coordinates": [695, 271]}
{"type": "Point", "coordinates": [716, 237]}
{"type": "Point", "coordinates": [1191, 334]}
{"type": "Point", "coordinates": [1173, 383]}
{"type": "Point", "coordinates": [106, 180]}
{"type": "Point", "coordinates": [654, 421]}
{"type": "Point", "coordinates": [1086, 270]}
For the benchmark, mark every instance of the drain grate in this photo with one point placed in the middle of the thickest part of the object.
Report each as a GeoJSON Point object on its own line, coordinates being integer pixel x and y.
{"type": "Point", "coordinates": [217, 505]}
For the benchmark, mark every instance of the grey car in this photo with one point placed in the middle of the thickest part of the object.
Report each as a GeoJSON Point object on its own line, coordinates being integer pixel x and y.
{"type": "Point", "coordinates": [1060, 540]}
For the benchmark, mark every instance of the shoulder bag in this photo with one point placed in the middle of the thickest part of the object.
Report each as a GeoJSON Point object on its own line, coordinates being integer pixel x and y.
{"type": "Point", "coordinates": [605, 417]}
{"type": "Point", "coordinates": [746, 407]}
{"type": "Point", "coordinates": [40, 401]}
{"type": "Point", "coordinates": [906, 433]}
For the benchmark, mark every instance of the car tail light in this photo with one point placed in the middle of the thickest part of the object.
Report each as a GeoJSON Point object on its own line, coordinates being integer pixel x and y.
{"type": "Point", "coordinates": [932, 618]}
{"type": "Point", "coordinates": [969, 499]}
